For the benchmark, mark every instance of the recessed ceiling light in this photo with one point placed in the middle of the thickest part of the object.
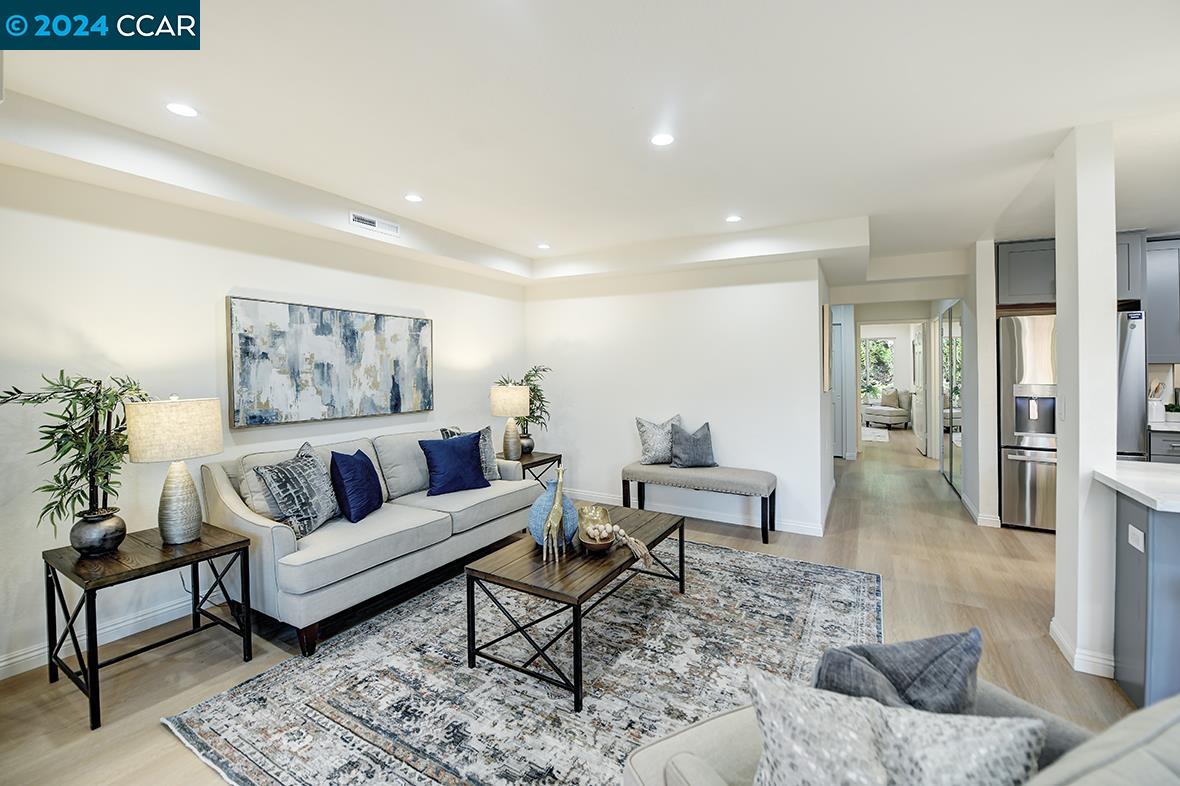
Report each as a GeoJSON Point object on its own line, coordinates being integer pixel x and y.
{"type": "Point", "coordinates": [412, 197]}
{"type": "Point", "coordinates": [733, 219]}
{"type": "Point", "coordinates": [662, 140]}
{"type": "Point", "coordinates": [543, 246]}
{"type": "Point", "coordinates": [184, 110]}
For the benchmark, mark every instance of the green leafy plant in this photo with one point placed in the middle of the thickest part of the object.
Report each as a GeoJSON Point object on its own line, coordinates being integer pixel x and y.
{"type": "Point", "coordinates": [869, 389]}
{"type": "Point", "coordinates": [1171, 407]}
{"type": "Point", "coordinates": [538, 404]}
{"type": "Point", "coordinates": [87, 439]}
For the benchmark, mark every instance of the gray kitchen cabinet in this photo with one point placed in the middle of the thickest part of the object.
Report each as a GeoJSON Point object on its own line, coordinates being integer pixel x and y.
{"type": "Point", "coordinates": [1026, 272]}
{"type": "Point", "coordinates": [1147, 602]}
{"type": "Point", "coordinates": [1161, 301]}
{"type": "Point", "coordinates": [1131, 261]}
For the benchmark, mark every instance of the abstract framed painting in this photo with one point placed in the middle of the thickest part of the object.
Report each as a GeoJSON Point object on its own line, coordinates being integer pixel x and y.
{"type": "Point", "coordinates": [292, 363]}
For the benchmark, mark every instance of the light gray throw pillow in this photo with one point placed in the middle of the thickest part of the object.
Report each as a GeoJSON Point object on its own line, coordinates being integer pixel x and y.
{"type": "Point", "coordinates": [821, 738]}
{"type": "Point", "coordinates": [935, 674]}
{"type": "Point", "coordinates": [692, 450]}
{"type": "Point", "coordinates": [655, 440]}
{"type": "Point", "coordinates": [487, 451]}
{"type": "Point", "coordinates": [301, 490]}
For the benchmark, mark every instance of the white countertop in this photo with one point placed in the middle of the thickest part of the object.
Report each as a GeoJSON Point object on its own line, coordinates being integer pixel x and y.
{"type": "Point", "coordinates": [1163, 425]}
{"type": "Point", "coordinates": [1155, 485]}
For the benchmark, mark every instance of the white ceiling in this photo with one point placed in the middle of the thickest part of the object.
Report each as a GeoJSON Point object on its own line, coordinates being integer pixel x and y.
{"type": "Point", "coordinates": [528, 121]}
{"type": "Point", "coordinates": [1147, 183]}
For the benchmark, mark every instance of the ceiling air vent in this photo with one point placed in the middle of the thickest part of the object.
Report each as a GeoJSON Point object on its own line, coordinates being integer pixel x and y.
{"type": "Point", "coordinates": [373, 224]}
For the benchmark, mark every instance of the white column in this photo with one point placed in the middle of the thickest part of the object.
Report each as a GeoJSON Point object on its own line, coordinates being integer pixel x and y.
{"type": "Point", "coordinates": [987, 429]}
{"type": "Point", "coordinates": [1087, 398]}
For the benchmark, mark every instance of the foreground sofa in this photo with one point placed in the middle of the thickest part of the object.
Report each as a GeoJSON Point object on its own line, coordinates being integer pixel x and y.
{"type": "Point", "coordinates": [724, 750]}
{"type": "Point", "coordinates": [342, 564]}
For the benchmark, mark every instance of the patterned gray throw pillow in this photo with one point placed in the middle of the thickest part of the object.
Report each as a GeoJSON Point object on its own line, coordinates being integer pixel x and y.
{"type": "Point", "coordinates": [692, 450]}
{"type": "Point", "coordinates": [487, 450]}
{"type": "Point", "coordinates": [302, 490]}
{"type": "Point", "coordinates": [655, 440]}
{"type": "Point", "coordinates": [817, 737]}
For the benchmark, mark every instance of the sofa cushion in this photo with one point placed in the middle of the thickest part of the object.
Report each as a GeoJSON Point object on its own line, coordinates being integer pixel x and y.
{"type": "Point", "coordinates": [1142, 748]}
{"type": "Point", "coordinates": [689, 769]}
{"type": "Point", "coordinates": [357, 485]}
{"type": "Point", "coordinates": [819, 737]}
{"type": "Point", "coordinates": [730, 743]}
{"type": "Point", "coordinates": [301, 491]}
{"type": "Point", "coordinates": [487, 449]}
{"type": "Point", "coordinates": [935, 674]}
{"type": "Point", "coordinates": [340, 549]}
{"type": "Point", "coordinates": [402, 463]}
{"type": "Point", "coordinates": [889, 398]}
{"type": "Point", "coordinates": [730, 480]}
{"type": "Point", "coordinates": [1061, 735]}
{"type": "Point", "coordinates": [454, 464]}
{"type": "Point", "coordinates": [253, 490]}
{"type": "Point", "coordinates": [473, 507]}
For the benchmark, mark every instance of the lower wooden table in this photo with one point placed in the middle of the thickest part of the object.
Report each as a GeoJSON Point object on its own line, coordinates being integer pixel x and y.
{"type": "Point", "coordinates": [571, 582]}
{"type": "Point", "coordinates": [143, 553]}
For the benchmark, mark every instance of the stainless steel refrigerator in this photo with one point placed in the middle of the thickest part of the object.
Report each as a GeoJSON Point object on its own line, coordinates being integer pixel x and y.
{"type": "Point", "coordinates": [1028, 421]}
{"type": "Point", "coordinates": [1132, 415]}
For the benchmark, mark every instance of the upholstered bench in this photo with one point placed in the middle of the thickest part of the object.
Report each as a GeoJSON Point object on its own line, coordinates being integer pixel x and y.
{"type": "Point", "coordinates": [724, 480]}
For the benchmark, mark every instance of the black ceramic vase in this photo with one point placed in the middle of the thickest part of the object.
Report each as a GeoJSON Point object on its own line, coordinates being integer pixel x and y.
{"type": "Point", "coordinates": [526, 444]}
{"type": "Point", "coordinates": [98, 533]}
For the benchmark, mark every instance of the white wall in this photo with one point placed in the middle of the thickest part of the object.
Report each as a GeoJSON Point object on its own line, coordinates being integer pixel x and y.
{"type": "Point", "coordinates": [101, 283]}
{"type": "Point", "coordinates": [743, 356]}
{"type": "Point", "coordinates": [903, 350]}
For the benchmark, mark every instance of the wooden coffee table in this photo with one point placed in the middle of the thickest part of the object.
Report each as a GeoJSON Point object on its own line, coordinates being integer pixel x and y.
{"type": "Point", "coordinates": [571, 582]}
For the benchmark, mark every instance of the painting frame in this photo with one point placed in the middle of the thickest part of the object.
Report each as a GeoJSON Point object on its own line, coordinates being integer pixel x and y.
{"type": "Point", "coordinates": [232, 355]}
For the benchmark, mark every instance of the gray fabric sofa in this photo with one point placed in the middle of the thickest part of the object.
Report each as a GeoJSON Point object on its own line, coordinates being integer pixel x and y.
{"type": "Point", "coordinates": [724, 750]}
{"type": "Point", "coordinates": [301, 582]}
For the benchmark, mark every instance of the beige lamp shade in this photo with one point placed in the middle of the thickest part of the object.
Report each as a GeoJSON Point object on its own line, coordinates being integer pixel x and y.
{"type": "Point", "coordinates": [174, 429]}
{"type": "Point", "coordinates": [510, 401]}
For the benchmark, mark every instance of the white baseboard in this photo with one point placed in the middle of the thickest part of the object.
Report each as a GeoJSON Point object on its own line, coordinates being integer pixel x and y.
{"type": "Point", "coordinates": [1100, 664]}
{"type": "Point", "coordinates": [982, 520]}
{"type": "Point", "coordinates": [850, 456]}
{"type": "Point", "coordinates": [781, 525]}
{"type": "Point", "coordinates": [22, 660]}
{"type": "Point", "coordinates": [988, 521]}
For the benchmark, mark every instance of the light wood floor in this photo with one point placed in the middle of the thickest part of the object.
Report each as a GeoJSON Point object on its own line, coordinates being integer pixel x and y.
{"type": "Point", "coordinates": [892, 514]}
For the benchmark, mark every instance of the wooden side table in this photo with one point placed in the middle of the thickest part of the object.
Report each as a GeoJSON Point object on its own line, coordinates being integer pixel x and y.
{"type": "Point", "coordinates": [537, 463]}
{"type": "Point", "coordinates": [141, 554]}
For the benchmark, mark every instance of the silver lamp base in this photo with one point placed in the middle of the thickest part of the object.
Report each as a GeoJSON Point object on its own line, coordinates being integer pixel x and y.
{"type": "Point", "coordinates": [180, 507]}
{"type": "Point", "coordinates": [511, 440]}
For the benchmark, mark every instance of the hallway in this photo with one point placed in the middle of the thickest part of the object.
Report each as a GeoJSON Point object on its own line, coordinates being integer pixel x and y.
{"type": "Point", "coordinates": [893, 513]}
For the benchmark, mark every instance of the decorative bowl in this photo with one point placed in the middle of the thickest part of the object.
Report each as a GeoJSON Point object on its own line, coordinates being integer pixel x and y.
{"type": "Point", "coordinates": [595, 545]}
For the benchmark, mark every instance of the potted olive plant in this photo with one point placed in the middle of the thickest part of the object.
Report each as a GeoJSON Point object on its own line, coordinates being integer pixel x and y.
{"type": "Point", "coordinates": [538, 404]}
{"type": "Point", "coordinates": [87, 440]}
{"type": "Point", "coordinates": [1172, 413]}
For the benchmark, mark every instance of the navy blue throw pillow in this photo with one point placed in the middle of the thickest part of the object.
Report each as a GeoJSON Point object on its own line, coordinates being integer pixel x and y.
{"type": "Point", "coordinates": [454, 464]}
{"type": "Point", "coordinates": [358, 489]}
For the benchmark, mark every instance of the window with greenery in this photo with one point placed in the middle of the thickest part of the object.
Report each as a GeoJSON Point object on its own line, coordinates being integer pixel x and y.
{"type": "Point", "coordinates": [876, 366]}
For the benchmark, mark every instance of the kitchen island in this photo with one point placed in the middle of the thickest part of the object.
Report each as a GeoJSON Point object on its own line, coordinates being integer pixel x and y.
{"type": "Point", "coordinates": [1147, 578]}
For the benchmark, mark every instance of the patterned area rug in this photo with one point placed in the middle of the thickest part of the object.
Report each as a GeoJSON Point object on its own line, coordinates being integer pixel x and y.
{"type": "Point", "coordinates": [392, 700]}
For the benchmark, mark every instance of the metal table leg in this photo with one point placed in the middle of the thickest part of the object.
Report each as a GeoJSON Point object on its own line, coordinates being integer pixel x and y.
{"type": "Point", "coordinates": [245, 622]}
{"type": "Point", "coordinates": [92, 659]}
{"type": "Point", "coordinates": [51, 622]}
{"type": "Point", "coordinates": [577, 610]}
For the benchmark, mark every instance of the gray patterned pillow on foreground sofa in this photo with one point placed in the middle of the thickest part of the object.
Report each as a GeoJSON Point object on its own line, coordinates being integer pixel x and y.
{"type": "Point", "coordinates": [935, 674]}
{"type": "Point", "coordinates": [818, 737]}
{"type": "Point", "coordinates": [655, 440]}
{"type": "Point", "coordinates": [301, 489]}
{"type": "Point", "coordinates": [487, 451]}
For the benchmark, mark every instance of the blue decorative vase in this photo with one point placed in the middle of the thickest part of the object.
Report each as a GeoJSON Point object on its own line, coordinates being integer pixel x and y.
{"type": "Point", "coordinates": [540, 512]}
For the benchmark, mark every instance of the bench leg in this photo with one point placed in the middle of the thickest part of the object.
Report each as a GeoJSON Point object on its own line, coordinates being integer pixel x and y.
{"type": "Point", "coordinates": [640, 486]}
{"type": "Point", "coordinates": [765, 519]}
{"type": "Point", "coordinates": [626, 493]}
{"type": "Point", "coordinates": [773, 494]}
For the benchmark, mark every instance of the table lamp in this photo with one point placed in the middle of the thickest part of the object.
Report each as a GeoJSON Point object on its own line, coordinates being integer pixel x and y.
{"type": "Point", "coordinates": [512, 402]}
{"type": "Point", "coordinates": [175, 430]}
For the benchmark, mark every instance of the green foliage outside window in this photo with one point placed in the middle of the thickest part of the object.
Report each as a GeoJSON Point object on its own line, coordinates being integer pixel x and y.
{"type": "Point", "coordinates": [876, 366]}
{"type": "Point", "coordinates": [952, 367]}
